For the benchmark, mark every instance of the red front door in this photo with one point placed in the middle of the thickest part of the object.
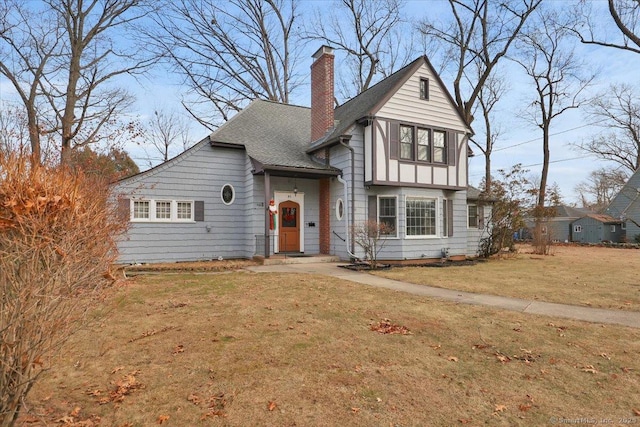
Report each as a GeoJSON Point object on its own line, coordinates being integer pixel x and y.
{"type": "Point", "coordinates": [289, 235]}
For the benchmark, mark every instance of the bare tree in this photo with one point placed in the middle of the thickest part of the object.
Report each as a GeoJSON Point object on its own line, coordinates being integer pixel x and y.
{"type": "Point", "coordinates": [229, 53]}
{"type": "Point", "coordinates": [167, 133]}
{"type": "Point", "coordinates": [491, 92]}
{"type": "Point", "coordinates": [369, 235]}
{"type": "Point", "coordinates": [602, 185]}
{"type": "Point", "coordinates": [374, 36]}
{"type": "Point", "coordinates": [625, 15]}
{"type": "Point", "coordinates": [479, 31]}
{"type": "Point", "coordinates": [617, 113]}
{"type": "Point", "coordinates": [547, 56]}
{"type": "Point", "coordinates": [61, 57]}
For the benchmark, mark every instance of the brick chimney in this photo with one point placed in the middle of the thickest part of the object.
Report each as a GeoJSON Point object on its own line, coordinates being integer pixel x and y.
{"type": "Point", "coordinates": [321, 92]}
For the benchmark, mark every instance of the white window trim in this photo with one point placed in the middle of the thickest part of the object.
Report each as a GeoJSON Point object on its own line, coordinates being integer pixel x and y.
{"type": "Point", "coordinates": [613, 228]}
{"type": "Point", "coordinates": [339, 215]}
{"type": "Point", "coordinates": [233, 197]}
{"type": "Point", "coordinates": [437, 219]}
{"type": "Point", "coordinates": [577, 228]}
{"type": "Point", "coordinates": [175, 206]}
{"type": "Point", "coordinates": [386, 236]}
{"type": "Point", "coordinates": [623, 226]}
{"type": "Point", "coordinates": [152, 211]}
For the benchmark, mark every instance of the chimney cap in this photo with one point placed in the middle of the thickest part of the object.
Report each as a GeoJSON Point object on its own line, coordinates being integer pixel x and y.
{"type": "Point", "coordinates": [323, 50]}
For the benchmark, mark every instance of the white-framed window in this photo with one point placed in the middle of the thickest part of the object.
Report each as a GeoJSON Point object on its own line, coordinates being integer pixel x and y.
{"type": "Point", "coordinates": [227, 194]}
{"type": "Point", "coordinates": [388, 214]}
{"type": "Point", "coordinates": [613, 228]}
{"type": "Point", "coordinates": [184, 210]}
{"type": "Point", "coordinates": [472, 216]}
{"type": "Point", "coordinates": [577, 229]}
{"type": "Point", "coordinates": [420, 217]}
{"type": "Point", "coordinates": [339, 209]}
{"type": "Point", "coordinates": [623, 226]}
{"type": "Point", "coordinates": [163, 210]}
{"type": "Point", "coordinates": [140, 210]}
{"type": "Point", "coordinates": [150, 210]}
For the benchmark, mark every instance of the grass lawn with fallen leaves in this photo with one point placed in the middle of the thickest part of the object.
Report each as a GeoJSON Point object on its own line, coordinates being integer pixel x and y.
{"type": "Point", "coordinates": [579, 275]}
{"type": "Point", "coordinates": [248, 349]}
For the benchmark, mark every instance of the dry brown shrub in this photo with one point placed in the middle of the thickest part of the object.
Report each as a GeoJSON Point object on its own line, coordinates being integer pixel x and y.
{"type": "Point", "coordinates": [57, 232]}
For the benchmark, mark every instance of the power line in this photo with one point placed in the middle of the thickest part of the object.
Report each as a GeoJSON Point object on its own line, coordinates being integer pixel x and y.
{"type": "Point", "coordinates": [553, 134]}
{"type": "Point", "coordinates": [540, 164]}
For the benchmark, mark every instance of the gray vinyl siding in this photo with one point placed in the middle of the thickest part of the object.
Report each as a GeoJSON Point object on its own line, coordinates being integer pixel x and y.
{"type": "Point", "coordinates": [340, 157]}
{"type": "Point", "coordinates": [198, 174]}
{"type": "Point", "coordinates": [405, 247]}
{"type": "Point", "coordinates": [626, 206]}
{"type": "Point", "coordinates": [594, 231]}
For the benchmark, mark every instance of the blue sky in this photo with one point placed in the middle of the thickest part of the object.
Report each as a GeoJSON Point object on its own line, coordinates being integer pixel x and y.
{"type": "Point", "coordinates": [519, 143]}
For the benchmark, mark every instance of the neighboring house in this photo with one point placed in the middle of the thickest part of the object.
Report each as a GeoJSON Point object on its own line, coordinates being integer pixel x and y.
{"type": "Point", "coordinates": [597, 228]}
{"type": "Point", "coordinates": [557, 227]}
{"type": "Point", "coordinates": [625, 206]}
{"type": "Point", "coordinates": [396, 153]}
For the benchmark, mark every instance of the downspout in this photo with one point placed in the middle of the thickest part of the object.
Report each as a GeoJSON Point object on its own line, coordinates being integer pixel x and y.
{"type": "Point", "coordinates": [350, 206]}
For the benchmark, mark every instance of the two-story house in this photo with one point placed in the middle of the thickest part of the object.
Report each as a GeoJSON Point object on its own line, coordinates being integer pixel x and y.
{"type": "Point", "coordinates": [280, 178]}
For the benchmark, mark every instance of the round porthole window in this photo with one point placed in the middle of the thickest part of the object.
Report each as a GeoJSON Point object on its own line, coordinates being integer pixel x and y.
{"type": "Point", "coordinates": [228, 194]}
{"type": "Point", "coordinates": [339, 209]}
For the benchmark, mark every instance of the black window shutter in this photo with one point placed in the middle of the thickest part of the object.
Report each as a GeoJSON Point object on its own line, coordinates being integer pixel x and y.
{"type": "Point", "coordinates": [394, 139]}
{"type": "Point", "coordinates": [451, 148]}
{"type": "Point", "coordinates": [480, 217]}
{"type": "Point", "coordinates": [198, 210]}
{"type": "Point", "coordinates": [450, 217]}
{"type": "Point", "coordinates": [373, 208]}
{"type": "Point", "coordinates": [124, 209]}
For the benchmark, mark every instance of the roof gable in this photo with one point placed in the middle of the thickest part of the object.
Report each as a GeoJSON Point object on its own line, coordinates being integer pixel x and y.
{"type": "Point", "coordinates": [371, 101]}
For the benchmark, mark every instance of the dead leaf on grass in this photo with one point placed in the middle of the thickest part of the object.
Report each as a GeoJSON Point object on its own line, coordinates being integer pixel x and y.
{"type": "Point", "coordinates": [502, 358]}
{"type": "Point", "coordinates": [386, 327]}
{"type": "Point", "coordinates": [436, 347]}
{"type": "Point", "coordinates": [636, 412]}
{"type": "Point", "coordinates": [271, 406]}
{"type": "Point", "coordinates": [355, 410]}
{"type": "Point", "coordinates": [452, 359]}
{"type": "Point", "coordinates": [118, 369]}
{"type": "Point", "coordinates": [163, 418]}
{"type": "Point", "coordinates": [499, 408]}
{"type": "Point", "coordinates": [194, 398]}
{"type": "Point", "coordinates": [590, 369]}
{"type": "Point", "coordinates": [178, 349]}
{"type": "Point", "coordinates": [524, 407]}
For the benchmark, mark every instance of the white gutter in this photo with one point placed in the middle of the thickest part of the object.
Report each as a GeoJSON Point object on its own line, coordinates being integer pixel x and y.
{"type": "Point", "coordinates": [347, 227]}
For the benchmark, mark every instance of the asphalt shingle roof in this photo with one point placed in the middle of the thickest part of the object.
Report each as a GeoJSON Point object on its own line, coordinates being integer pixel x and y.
{"type": "Point", "coordinates": [274, 134]}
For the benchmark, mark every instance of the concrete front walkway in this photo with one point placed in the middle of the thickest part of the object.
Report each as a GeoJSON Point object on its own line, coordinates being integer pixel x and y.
{"type": "Point", "coordinates": [597, 315]}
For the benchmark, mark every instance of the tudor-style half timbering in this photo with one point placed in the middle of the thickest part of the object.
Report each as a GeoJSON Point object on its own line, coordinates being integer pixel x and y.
{"type": "Point", "coordinates": [417, 138]}
{"type": "Point", "coordinates": [411, 154]}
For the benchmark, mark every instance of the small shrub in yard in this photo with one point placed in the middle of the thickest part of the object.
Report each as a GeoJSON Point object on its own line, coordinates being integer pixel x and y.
{"type": "Point", "coordinates": [369, 236]}
{"type": "Point", "coordinates": [57, 233]}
